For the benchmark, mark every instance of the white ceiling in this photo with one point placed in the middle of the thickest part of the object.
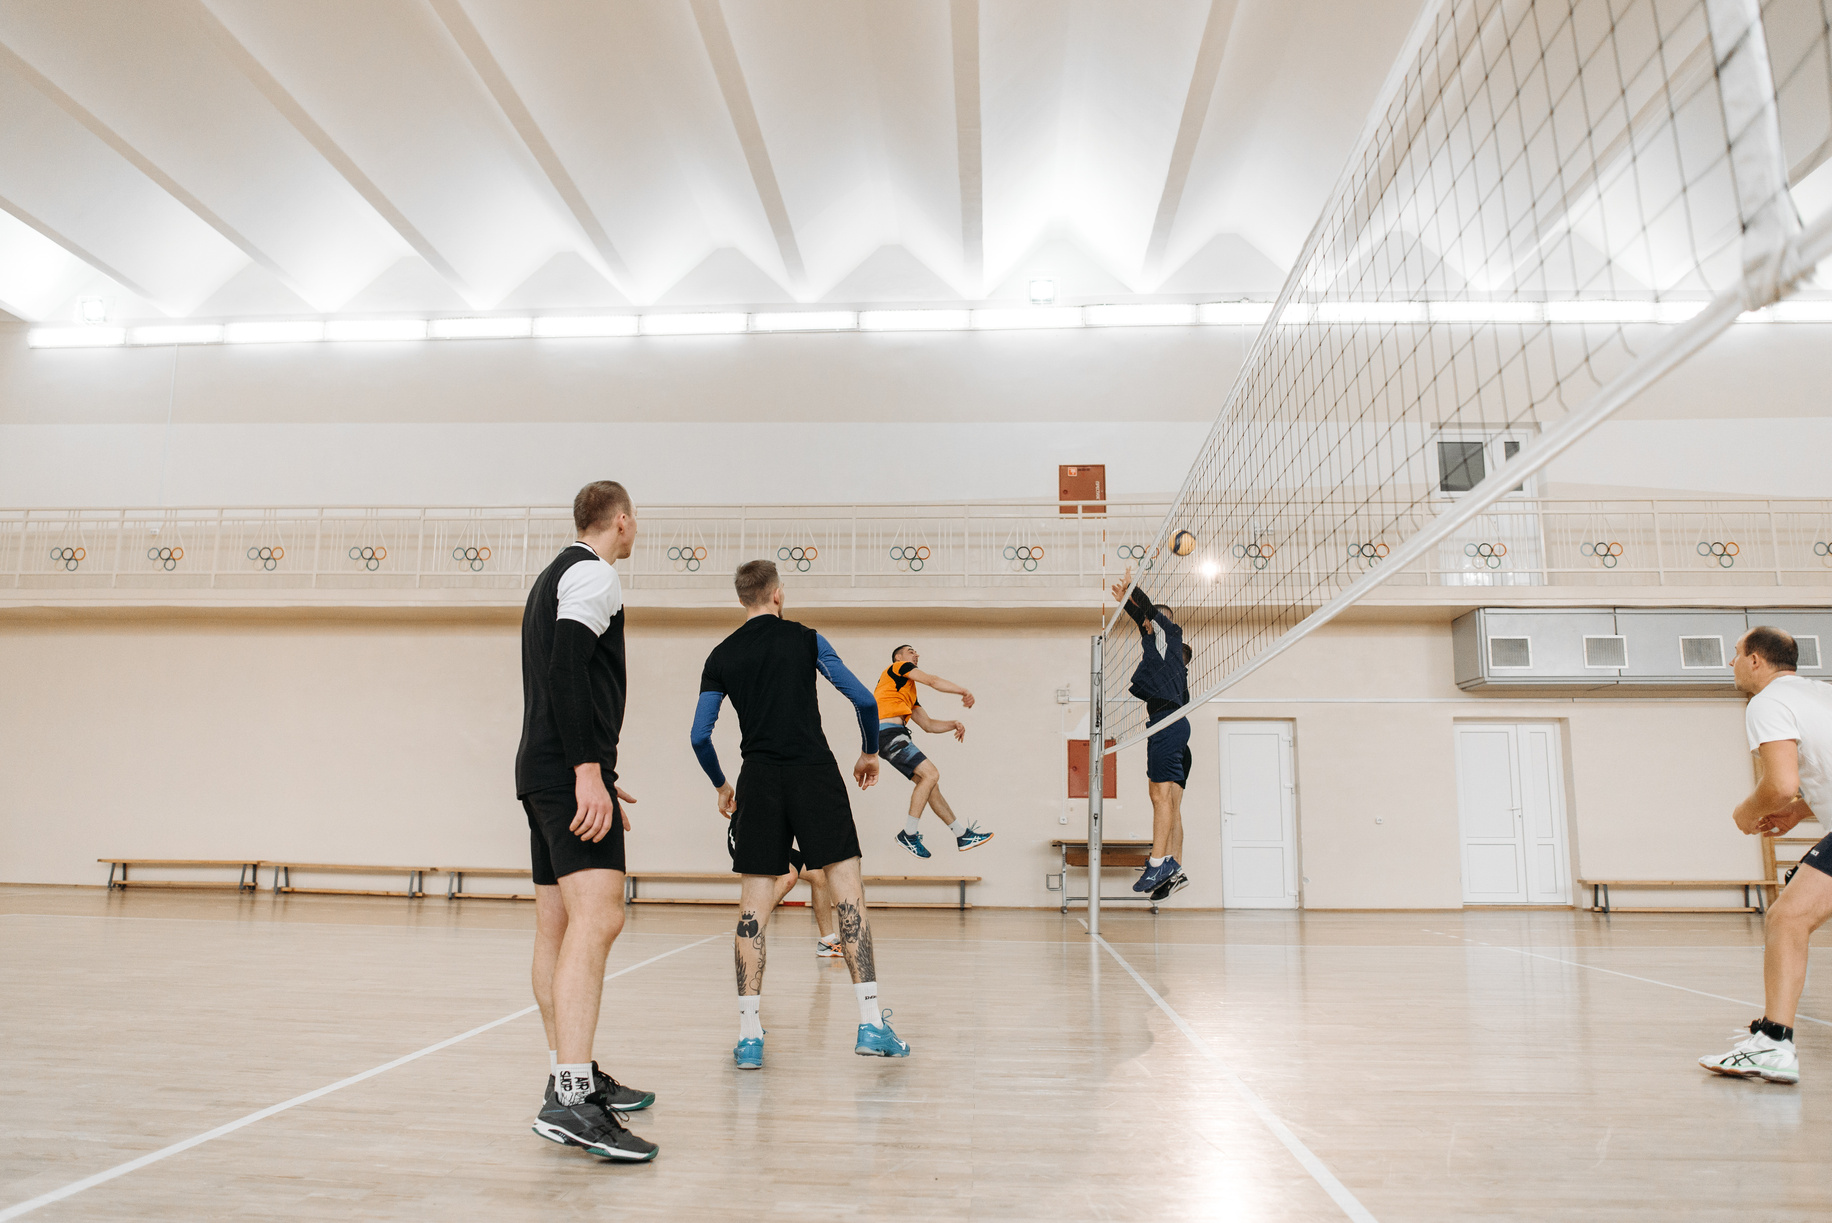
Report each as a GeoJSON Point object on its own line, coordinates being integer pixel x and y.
{"type": "Point", "coordinates": [234, 158]}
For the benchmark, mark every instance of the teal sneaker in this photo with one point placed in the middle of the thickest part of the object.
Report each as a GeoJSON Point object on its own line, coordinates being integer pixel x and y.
{"type": "Point", "coordinates": [879, 1041]}
{"type": "Point", "coordinates": [749, 1054]}
{"type": "Point", "coordinates": [912, 841]}
{"type": "Point", "coordinates": [970, 836]}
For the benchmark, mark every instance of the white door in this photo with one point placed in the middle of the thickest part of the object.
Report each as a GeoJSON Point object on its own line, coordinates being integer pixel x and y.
{"type": "Point", "coordinates": [1511, 807]}
{"type": "Point", "coordinates": [1259, 817]}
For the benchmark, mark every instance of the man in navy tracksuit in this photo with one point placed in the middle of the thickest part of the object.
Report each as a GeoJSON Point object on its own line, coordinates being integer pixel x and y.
{"type": "Point", "coordinates": [1161, 680]}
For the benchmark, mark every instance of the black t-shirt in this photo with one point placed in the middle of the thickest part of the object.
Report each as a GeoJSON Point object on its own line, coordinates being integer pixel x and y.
{"type": "Point", "coordinates": [582, 591]}
{"type": "Point", "coordinates": [767, 668]}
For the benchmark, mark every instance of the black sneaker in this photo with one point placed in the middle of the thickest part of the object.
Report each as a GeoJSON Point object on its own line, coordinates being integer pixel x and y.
{"type": "Point", "coordinates": [589, 1125]}
{"type": "Point", "coordinates": [1176, 883]}
{"type": "Point", "coordinates": [615, 1096]}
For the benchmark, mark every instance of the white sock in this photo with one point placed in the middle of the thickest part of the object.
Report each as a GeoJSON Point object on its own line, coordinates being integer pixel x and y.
{"type": "Point", "coordinates": [832, 940]}
{"type": "Point", "coordinates": [572, 1081]}
{"type": "Point", "coordinates": [553, 1062]}
{"type": "Point", "coordinates": [750, 1019]}
{"type": "Point", "coordinates": [868, 1003]}
{"type": "Point", "coordinates": [912, 823]}
{"type": "Point", "coordinates": [1155, 861]}
{"type": "Point", "coordinates": [958, 828]}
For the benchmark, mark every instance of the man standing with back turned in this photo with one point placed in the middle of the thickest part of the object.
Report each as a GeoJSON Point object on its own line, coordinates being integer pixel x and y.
{"type": "Point", "coordinates": [1789, 723]}
{"type": "Point", "coordinates": [1162, 681]}
{"type": "Point", "coordinates": [790, 789]}
{"type": "Point", "coordinates": [565, 775]}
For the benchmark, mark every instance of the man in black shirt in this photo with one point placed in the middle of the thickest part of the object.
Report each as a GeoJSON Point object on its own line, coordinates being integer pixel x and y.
{"type": "Point", "coordinates": [790, 789]}
{"type": "Point", "coordinates": [565, 775]}
{"type": "Point", "coordinates": [1161, 680]}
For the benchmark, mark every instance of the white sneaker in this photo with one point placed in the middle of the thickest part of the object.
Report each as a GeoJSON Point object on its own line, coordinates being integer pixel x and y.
{"type": "Point", "coordinates": [1757, 1056]}
{"type": "Point", "coordinates": [828, 951]}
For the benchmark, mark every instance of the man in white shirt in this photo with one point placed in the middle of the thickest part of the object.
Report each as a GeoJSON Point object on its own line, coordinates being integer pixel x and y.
{"type": "Point", "coordinates": [1789, 721]}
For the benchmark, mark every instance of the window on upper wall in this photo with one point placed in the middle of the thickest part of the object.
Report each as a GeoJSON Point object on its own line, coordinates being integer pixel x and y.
{"type": "Point", "coordinates": [1463, 460]}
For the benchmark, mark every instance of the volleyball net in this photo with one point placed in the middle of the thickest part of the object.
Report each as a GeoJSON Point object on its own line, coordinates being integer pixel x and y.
{"type": "Point", "coordinates": [1553, 204]}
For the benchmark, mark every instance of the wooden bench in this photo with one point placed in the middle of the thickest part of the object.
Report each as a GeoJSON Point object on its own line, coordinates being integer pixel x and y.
{"type": "Point", "coordinates": [454, 882]}
{"type": "Point", "coordinates": [283, 871]}
{"type": "Point", "coordinates": [1112, 853]}
{"type": "Point", "coordinates": [631, 879]}
{"type": "Point", "coordinates": [1599, 894]}
{"type": "Point", "coordinates": [246, 879]}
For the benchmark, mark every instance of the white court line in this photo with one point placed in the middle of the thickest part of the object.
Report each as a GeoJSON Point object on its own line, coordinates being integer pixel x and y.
{"type": "Point", "coordinates": [1319, 1171]}
{"type": "Point", "coordinates": [134, 1165]}
{"type": "Point", "coordinates": [1614, 973]}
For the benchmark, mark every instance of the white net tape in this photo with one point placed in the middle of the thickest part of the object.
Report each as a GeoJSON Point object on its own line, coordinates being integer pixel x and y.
{"type": "Point", "coordinates": [1554, 203]}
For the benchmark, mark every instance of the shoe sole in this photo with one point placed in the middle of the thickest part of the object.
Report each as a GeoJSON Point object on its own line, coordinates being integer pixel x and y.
{"type": "Point", "coordinates": [1166, 893]}
{"type": "Point", "coordinates": [636, 1107]}
{"type": "Point", "coordinates": [553, 1133]}
{"type": "Point", "coordinates": [862, 1051]}
{"type": "Point", "coordinates": [750, 1065]}
{"type": "Point", "coordinates": [1752, 1074]}
{"type": "Point", "coordinates": [976, 844]}
{"type": "Point", "coordinates": [914, 853]}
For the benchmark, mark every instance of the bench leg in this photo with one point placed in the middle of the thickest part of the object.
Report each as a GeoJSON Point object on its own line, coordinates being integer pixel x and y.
{"type": "Point", "coordinates": [963, 903]}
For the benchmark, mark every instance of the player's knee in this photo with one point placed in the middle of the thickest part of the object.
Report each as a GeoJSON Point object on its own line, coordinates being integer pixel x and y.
{"type": "Point", "coordinates": [927, 774]}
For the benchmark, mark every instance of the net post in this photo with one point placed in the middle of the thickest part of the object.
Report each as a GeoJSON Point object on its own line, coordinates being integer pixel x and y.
{"type": "Point", "coordinates": [1097, 752]}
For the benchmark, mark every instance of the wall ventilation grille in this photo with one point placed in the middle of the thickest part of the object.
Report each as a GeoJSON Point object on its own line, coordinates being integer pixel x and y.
{"type": "Point", "coordinates": [1510, 651]}
{"type": "Point", "coordinates": [1701, 652]}
{"type": "Point", "coordinates": [1606, 651]}
{"type": "Point", "coordinates": [1809, 651]}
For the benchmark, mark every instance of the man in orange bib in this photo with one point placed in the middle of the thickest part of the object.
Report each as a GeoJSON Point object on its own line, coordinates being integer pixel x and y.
{"type": "Point", "coordinates": [897, 708]}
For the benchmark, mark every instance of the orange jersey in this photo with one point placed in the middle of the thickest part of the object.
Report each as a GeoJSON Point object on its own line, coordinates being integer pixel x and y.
{"type": "Point", "coordinates": [896, 692]}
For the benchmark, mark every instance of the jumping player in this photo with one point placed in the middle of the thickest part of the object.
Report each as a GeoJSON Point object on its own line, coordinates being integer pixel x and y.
{"type": "Point", "coordinates": [897, 707]}
{"type": "Point", "coordinates": [1161, 680]}
{"type": "Point", "coordinates": [566, 777]}
{"type": "Point", "coordinates": [789, 790]}
{"type": "Point", "coordinates": [1789, 724]}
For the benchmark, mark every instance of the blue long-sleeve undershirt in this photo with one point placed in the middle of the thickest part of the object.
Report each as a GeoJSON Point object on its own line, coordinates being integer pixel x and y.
{"type": "Point", "coordinates": [827, 662]}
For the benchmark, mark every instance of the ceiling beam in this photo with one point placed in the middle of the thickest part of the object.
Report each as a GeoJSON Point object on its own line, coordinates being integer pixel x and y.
{"type": "Point", "coordinates": [717, 38]}
{"type": "Point", "coordinates": [1196, 104]}
{"type": "Point", "coordinates": [303, 123]}
{"type": "Point", "coordinates": [114, 140]}
{"type": "Point", "coordinates": [126, 282]}
{"type": "Point", "coordinates": [964, 25]}
{"type": "Point", "coordinates": [470, 41]}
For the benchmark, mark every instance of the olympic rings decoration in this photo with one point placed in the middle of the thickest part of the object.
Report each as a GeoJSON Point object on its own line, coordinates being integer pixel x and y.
{"type": "Point", "coordinates": [802, 557]}
{"type": "Point", "coordinates": [1488, 554]}
{"type": "Point", "coordinates": [1024, 556]}
{"type": "Point", "coordinates": [687, 557]}
{"type": "Point", "coordinates": [1259, 554]}
{"type": "Point", "coordinates": [69, 558]}
{"type": "Point", "coordinates": [1724, 552]}
{"type": "Point", "coordinates": [370, 558]}
{"type": "Point", "coordinates": [474, 557]}
{"type": "Point", "coordinates": [1372, 553]}
{"type": "Point", "coordinates": [1605, 551]}
{"type": "Point", "coordinates": [910, 556]}
{"type": "Point", "coordinates": [1822, 548]}
{"type": "Point", "coordinates": [267, 558]}
{"type": "Point", "coordinates": [166, 558]}
{"type": "Point", "coordinates": [1132, 552]}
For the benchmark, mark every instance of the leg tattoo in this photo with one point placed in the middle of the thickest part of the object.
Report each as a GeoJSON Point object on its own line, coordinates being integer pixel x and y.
{"type": "Point", "coordinates": [750, 935]}
{"type": "Point", "coordinates": [855, 938]}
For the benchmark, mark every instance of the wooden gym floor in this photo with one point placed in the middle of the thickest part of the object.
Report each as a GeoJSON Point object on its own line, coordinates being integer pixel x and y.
{"type": "Point", "coordinates": [1277, 1066]}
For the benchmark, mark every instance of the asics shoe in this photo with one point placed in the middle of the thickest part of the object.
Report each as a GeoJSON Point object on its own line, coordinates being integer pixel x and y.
{"type": "Point", "coordinates": [912, 841]}
{"type": "Point", "coordinates": [1154, 877]}
{"type": "Point", "coordinates": [1756, 1055]}
{"type": "Point", "coordinates": [971, 836]}
{"type": "Point", "coordinates": [749, 1054]}
{"type": "Point", "coordinates": [829, 950]}
{"type": "Point", "coordinates": [589, 1125]}
{"type": "Point", "coordinates": [1176, 883]}
{"type": "Point", "coordinates": [877, 1040]}
{"type": "Point", "coordinates": [615, 1096]}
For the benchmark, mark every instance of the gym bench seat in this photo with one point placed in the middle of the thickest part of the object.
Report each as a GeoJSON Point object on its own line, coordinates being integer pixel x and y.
{"type": "Point", "coordinates": [283, 878]}
{"type": "Point", "coordinates": [1758, 888]}
{"type": "Point", "coordinates": [631, 879]}
{"type": "Point", "coordinates": [246, 879]}
{"type": "Point", "coordinates": [454, 881]}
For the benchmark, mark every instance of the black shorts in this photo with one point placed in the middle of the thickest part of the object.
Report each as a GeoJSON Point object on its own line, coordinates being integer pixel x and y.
{"type": "Point", "coordinates": [786, 805]}
{"type": "Point", "coordinates": [896, 746]}
{"type": "Point", "coordinates": [556, 849]}
{"type": "Point", "coordinates": [796, 861]}
{"type": "Point", "coordinates": [1167, 754]}
{"type": "Point", "coordinates": [1820, 856]}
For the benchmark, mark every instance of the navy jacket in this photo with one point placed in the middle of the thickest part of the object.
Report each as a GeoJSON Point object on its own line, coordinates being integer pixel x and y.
{"type": "Point", "coordinates": [1162, 681]}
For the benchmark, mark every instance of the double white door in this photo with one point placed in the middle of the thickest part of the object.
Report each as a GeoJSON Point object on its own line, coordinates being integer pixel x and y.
{"type": "Point", "coordinates": [1259, 816]}
{"type": "Point", "coordinates": [1511, 806]}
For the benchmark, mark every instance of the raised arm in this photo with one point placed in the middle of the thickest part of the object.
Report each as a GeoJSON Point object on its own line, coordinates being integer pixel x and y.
{"type": "Point", "coordinates": [864, 704]}
{"type": "Point", "coordinates": [1137, 606]}
{"type": "Point", "coordinates": [941, 685]}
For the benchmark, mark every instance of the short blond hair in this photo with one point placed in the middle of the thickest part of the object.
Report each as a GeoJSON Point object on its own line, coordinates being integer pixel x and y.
{"type": "Point", "coordinates": [598, 503]}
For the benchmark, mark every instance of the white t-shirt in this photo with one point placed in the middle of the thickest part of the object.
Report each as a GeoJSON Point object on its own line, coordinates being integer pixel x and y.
{"type": "Point", "coordinates": [591, 593]}
{"type": "Point", "coordinates": [1800, 709]}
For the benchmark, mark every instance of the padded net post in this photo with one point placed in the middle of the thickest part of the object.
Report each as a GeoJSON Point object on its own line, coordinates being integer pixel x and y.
{"type": "Point", "coordinates": [1097, 781]}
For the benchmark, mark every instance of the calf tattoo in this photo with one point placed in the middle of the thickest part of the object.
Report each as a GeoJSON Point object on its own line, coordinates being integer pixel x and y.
{"type": "Point", "coordinates": [750, 934]}
{"type": "Point", "coordinates": [855, 935]}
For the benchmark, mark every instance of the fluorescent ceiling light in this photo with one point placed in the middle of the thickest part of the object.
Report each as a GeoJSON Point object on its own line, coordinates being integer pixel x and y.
{"type": "Point", "coordinates": [1792, 312]}
{"type": "Point", "coordinates": [92, 310]}
{"type": "Point", "coordinates": [1042, 291]}
{"type": "Point", "coordinates": [75, 337]}
{"type": "Point", "coordinates": [569, 326]}
{"type": "Point", "coordinates": [1370, 312]}
{"type": "Point", "coordinates": [1297, 314]}
{"type": "Point", "coordinates": [184, 333]}
{"type": "Point", "coordinates": [376, 329]}
{"type": "Point", "coordinates": [304, 332]}
{"type": "Point", "coordinates": [913, 320]}
{"type": "Point", "coordinates": [1487, 312]}
{"type": "Point", "coordinates": [1036, 317]}
{"type": "Point", "coordinates": [1602, 312]}
{"type": "Point", "coordinates": [807, 320]}
{"type": "Point", "coordinates": [1234, 314]}
{"type": "Point", "coordinates": [481, 328]}
{"type": "Point", "coordinates": [692, 324]}
{"type": "Point", "coordinates": [1139, 316]}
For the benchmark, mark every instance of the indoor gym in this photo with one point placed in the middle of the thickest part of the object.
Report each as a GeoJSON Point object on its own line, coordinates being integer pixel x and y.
{"type": "Point", "coordinates": [1451, 377]}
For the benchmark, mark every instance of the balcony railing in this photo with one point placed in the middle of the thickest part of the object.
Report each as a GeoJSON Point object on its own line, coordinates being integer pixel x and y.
{"type": "Point", "coordinates": [1044, 545]}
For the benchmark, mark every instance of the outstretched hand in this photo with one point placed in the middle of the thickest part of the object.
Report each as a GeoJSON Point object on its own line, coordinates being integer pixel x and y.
{"type": "Point", "coordinates": [865, 772]}
{"type": "Point", "coordinates": [1119, 587]}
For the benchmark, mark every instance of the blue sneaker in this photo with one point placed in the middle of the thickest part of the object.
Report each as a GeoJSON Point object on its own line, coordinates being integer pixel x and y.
{"type": "Point", "coordinates": [912, 841]}
{"type": "Point", "coordinates": [970, 836]}
{"type": "Point", "coordinates": [749, 1054]}
{"type": "Point", "coordinates": [880, 1041]}
{"type": "Point", "coordinates": [1155, 877]}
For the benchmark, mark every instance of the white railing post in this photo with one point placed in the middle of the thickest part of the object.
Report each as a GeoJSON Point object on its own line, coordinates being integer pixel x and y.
{"type": "Point", "coordinates": [1774, 539]}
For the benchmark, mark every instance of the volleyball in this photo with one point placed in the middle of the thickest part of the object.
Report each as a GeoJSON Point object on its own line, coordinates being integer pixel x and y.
{"type": "Point", "coordinates": [1183, 543]}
